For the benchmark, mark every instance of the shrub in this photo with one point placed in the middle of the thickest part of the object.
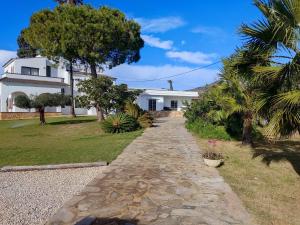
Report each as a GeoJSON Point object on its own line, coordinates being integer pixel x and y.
{"type": "Point", "coordinates": [133, 110]}
{"type": "Point", "coordinates": [234, 125]}
{"type": "Point", "coordinates": [146, 120]}
{"type": "Point", "coordinates": [120, 123]}
{"type": "Point", "coordinates": [207, 130]}
{"type": "Point", "coordinates": [143, 118]}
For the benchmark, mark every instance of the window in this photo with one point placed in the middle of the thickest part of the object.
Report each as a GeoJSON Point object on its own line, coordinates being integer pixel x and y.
{"type": "Point", "coordinates": [48, 71]}
{"type": "Point", "coordinates": [152, 105]}
{"type": "Point", "coordinates": [29, 71]}
{"type": "Point", "coordinates": [174, 104]}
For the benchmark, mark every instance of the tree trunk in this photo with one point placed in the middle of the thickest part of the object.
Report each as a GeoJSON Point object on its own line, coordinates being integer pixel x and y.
{"type": "Point", "coordinates": [247, 129]}
{"type": "Point", "coordinates": [93, 70]}
{"type": "Point", "coordinates": [72, 90]}
{"type": "Point", "coordinates": [100, 114]}
{"type": "Point", "coordinates": [42, 116]}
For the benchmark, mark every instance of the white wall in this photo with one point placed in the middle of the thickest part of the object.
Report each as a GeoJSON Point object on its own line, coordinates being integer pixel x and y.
{"type": "Point", "coordinates": [143, 101]}
{"type": "Point", "coordinates": [162, 101]}
{"type": "Point", "coordinates": [7, 88]}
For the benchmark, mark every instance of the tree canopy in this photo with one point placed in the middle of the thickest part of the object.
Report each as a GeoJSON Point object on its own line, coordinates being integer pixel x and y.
{"type": "Point", "coordinates": [25, 49]}
{"type": "Point", "coordinates": [41, 101]}
{"type": "Point", "coordinates": [104, 95]}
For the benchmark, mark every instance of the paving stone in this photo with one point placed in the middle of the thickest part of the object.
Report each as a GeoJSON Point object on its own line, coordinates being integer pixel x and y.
{"type": "Point", "coordinates": [159, 179]}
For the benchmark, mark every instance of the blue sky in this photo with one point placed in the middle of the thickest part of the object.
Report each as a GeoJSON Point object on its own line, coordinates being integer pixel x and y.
{"type": "Point", "coordinates": [179, 36]}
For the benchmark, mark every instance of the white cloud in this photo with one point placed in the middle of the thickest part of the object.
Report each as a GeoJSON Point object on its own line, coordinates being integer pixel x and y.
{"type": "Point", "coordinates": [5, 56]}
{"type": "Point", "coordinates": [156, 42]}
{"type": "Point", "coordinates": [210, 31]}
{"type": "Point", "coordinates": [160, 25]}
{"type": "Point", "coordinates": [130, 73]}
{"type": "Point", "coordinates": [192, 57]}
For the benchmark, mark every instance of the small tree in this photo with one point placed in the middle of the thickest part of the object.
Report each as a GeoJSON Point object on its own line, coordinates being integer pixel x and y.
{"type": "Point", "coordinates": [102, 94]}
{"type": "Point", "coordinates": [40, 102]}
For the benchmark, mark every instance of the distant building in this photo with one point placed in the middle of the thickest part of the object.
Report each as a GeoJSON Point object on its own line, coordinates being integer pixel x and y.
{"type": "Point", "coordinates": [165, 100]}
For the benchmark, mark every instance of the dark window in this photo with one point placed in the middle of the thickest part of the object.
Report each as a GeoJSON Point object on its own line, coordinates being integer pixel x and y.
{"type": "Point", "coordinates": [63, 91]}
{"type": "Point", "coordinates": [29, 71]}
{"type": "Point", "coordinates": [152, 105]}
{"type": "Point", "coordinates": [48, 71]}
{"type": "Point", "coordinates": [174, 104]}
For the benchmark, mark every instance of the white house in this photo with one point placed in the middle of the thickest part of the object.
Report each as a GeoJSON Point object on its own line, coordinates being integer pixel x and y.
{"type": "Point", "coordinates": [34, 76]}
{"type": "Point", "coordinates": [165, 100]}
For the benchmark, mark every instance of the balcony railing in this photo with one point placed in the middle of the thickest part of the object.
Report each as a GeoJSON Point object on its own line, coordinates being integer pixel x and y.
{"type": "Point", "coordinates": [32, 77]}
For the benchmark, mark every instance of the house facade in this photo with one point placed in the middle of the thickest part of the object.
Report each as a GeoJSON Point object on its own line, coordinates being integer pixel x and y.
{"type": "Point", "coordinates": [165, 100]}
{"type": "Point", "coordinates": [34, 76]}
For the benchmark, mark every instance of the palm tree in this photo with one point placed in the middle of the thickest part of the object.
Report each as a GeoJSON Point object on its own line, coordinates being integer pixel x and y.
{"type": "Point", "coordinates": [276, 38]}
{"type": "Point", "coordinates": [238, 92]}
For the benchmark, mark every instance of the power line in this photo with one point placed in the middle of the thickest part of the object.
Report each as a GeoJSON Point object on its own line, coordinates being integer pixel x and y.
{"type": "Point", "coordinates": [175, 75]}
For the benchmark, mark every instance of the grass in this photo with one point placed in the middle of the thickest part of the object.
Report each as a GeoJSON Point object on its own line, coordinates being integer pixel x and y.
{"type": "Point", "coordinates": [266, 178]}
{"type": "Point", "coordinates": [62, 140]}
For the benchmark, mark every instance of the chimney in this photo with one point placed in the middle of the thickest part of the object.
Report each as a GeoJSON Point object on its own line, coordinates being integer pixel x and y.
{"type": "Point", "coordinates": [171, 85]}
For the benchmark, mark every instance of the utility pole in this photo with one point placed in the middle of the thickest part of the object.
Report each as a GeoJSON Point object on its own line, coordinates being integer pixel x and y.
{"type": "Point", "coordinates": [171, 85]}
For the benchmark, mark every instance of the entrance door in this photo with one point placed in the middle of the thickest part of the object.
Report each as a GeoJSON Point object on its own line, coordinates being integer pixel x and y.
{"type": "Point", "coordinates": [152, 105]}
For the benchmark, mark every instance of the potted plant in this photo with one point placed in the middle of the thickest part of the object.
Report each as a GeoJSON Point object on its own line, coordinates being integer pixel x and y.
{"type": "Point", "coordinates": [213, 159]}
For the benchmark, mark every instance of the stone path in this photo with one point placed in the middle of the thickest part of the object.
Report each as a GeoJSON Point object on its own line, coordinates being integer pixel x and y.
{"type": "Point", "coordinates": [159, 179]}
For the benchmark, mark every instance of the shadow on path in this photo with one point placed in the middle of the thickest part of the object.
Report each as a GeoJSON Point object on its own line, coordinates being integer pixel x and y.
{"type": "Point", "coordinates": [106, 221]}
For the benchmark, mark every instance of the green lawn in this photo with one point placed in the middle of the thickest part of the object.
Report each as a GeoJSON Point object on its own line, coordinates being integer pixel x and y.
{"type": "Point", "coordinates": [62, 140]}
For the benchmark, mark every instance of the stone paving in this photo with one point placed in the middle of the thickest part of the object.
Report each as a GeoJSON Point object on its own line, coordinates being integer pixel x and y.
{"type": "Point", "coordinates": [159, 179]}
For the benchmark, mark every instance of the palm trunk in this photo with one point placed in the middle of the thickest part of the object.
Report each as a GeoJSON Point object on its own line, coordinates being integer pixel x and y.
{"type": "Point", "coordinates": [247, 129]}
{"type": "Point", "coordinates": [72, 90]}
{"type": "Point", "coordinates": [100, 114]}
{"type": "Point", "coordinates": [42, 116]}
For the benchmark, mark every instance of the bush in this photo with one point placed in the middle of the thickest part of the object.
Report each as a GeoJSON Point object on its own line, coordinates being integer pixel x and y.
{"type": "Point", "coordinates": [120, 123]}
{"type": "Point", "coordinates": [234, 126]}
{"type": "Point", "coordinates": [146, 120]}
{"type": "Point", "coordinates": [133, 110]}
{"type": "Point", "coordinates": [207, 130]}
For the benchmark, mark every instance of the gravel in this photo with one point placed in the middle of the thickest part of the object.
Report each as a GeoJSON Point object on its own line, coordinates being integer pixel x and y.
{"type": "Point", "coordinates": [32, 197]}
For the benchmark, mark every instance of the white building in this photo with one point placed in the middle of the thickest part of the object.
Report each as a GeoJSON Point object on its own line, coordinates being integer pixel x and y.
{"type": "Point", "coordinates": [165, 100]}
{"type": "Point", "coordinates": [34, 76]}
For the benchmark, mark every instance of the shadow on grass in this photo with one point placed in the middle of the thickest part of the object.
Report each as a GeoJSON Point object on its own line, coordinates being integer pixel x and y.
{"type": "Point", "coordinates": [75, 121]}
{"type": "Point", "coordinates": [280, 151]}
{"type": "Point", "coordinates": [106, 221]}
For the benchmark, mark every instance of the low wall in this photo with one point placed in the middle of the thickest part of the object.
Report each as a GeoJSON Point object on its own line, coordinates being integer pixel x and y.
{"type": "Point", "coordinates": [25, 115]}
{"type": "Point", "coordinates": [172, 114]}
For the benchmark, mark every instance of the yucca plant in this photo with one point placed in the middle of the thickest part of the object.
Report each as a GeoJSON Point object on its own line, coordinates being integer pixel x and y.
{"type": "Point", "coordinates": [146, 120]}
{"type": "Point", "coordinates": [133, 110]}
{"type": "Point", "coordinates": [120, 123]}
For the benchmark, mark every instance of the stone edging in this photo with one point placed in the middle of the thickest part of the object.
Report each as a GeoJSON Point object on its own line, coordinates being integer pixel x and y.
{"type": "Point", "coordinates": [52, 167]}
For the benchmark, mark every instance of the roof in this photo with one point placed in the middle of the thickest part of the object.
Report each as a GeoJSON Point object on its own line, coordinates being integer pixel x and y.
{"type": "Point", "coordinates": [164, 92]}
